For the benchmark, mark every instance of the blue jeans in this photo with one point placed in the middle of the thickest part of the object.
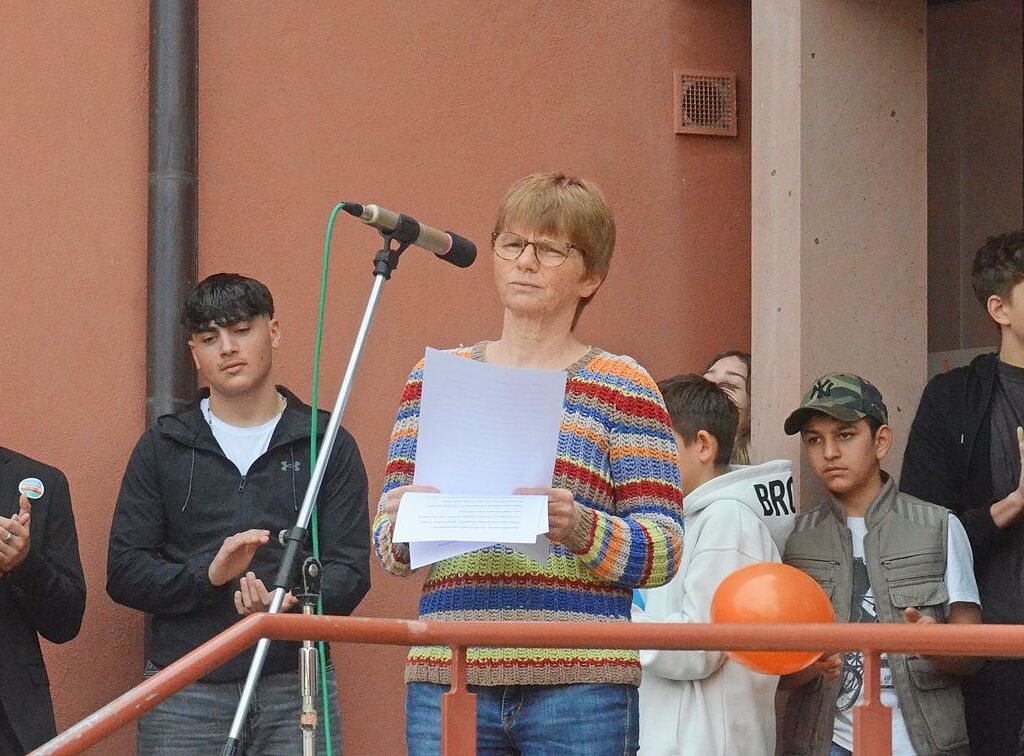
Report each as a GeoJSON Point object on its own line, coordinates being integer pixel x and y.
{"type": "Point", "coordinates": [197, 720]}
{"type": "Point", "coordinates": [838, 750]}
{"type": "Point", "coordinates": [584, 720]}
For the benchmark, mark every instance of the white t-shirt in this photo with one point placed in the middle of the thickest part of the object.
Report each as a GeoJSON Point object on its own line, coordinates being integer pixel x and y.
{"type": "Point", "coordinates": [960, 585]}
{"type": "Point", "coordinates": [243, 446]}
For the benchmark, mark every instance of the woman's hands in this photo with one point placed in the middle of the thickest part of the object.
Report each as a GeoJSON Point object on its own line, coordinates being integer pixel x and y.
{"type": "Point", "coordinates": [563, 511]}
{"type": "Point", "coordinates": [394, 499]}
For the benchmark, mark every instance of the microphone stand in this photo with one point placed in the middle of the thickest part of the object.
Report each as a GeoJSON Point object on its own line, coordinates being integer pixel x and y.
{"type": "Point", "coordinates": [384, 263]}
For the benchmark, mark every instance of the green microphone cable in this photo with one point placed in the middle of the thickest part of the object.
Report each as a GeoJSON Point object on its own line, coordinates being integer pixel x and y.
{"type": "Point", "coordinates": [313, 432]}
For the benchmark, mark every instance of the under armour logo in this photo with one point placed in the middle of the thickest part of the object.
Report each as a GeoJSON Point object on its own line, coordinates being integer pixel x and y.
{"type": "Point", "coordinates": [822, 388]}
{"type": "Point", "coordinates": [291, 466]}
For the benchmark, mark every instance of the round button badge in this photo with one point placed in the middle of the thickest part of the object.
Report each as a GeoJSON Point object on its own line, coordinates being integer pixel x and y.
{"type": "Point", "coordinates": [31, 487]}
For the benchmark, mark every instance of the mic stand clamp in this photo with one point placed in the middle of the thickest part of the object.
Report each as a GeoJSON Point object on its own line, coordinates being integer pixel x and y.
{"type": "Point", "coordinates": [386, 260]}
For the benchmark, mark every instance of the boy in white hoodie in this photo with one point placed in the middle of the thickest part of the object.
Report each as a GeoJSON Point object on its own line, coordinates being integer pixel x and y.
{"type": "Point", "coordinates": [702, 702]}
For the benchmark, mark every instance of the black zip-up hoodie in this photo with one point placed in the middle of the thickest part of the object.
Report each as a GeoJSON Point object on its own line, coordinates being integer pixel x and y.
{"type": "Point", "coordinates": [948, 462]}
{"type": "Point", "coordinates": [181, 497]}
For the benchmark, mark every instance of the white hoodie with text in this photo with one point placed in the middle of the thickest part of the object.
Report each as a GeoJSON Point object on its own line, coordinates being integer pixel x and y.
{"type": "Point", "coordinates": [702, 702]}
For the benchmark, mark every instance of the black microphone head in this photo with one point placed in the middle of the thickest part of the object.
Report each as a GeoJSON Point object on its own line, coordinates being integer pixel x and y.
{"type": "Point", "coordinates": [352, 208]}
{"type": "Point", "coordinates": [462, 253]}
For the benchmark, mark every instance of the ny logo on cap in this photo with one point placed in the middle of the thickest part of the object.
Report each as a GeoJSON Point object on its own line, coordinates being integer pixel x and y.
{"type": "Point", "coordinates": [822, 388]}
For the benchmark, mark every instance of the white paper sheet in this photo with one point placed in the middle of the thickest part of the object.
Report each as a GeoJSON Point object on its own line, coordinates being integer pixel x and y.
{"type": "Point", "coordinates": [438, 526]}
{"type": "Point", "coordinates": [485, 431]}
{"type": "Point", "coordinates": [492, 519]}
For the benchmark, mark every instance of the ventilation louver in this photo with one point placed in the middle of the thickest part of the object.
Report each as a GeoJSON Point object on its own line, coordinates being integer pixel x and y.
{"type": "Point", "coordinates": [705, 103]}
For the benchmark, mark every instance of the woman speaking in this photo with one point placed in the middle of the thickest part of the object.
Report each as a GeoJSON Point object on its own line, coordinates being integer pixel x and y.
{"type": "Point", "coordinates": [614, 506]}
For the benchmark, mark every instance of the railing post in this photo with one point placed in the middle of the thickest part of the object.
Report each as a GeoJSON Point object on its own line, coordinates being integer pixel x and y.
{"type": "Point", "coordinates": [458, 711]}
{"type": "Point", "coordinates": [872, 720]}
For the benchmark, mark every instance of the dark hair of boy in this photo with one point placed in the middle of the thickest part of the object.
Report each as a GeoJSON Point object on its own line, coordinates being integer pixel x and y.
{"type": "Point", "coordinates": [696, 404]}
{"type": "Point", "coordinates": [225, 299]}
{"type": "Point", "coordinates": [998, 266]}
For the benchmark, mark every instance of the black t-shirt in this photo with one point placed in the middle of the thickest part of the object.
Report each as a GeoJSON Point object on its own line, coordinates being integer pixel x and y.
{"type": "Point", "coordinates": [1007, 416]}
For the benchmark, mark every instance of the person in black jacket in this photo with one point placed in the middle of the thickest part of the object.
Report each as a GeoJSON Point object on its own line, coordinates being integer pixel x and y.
{"type": "Point", "coordinates": [964, 452]}
{"type": "Point", "coordinates": [42, 592]}
{"type": "Point", "coordinates": [203, 492]}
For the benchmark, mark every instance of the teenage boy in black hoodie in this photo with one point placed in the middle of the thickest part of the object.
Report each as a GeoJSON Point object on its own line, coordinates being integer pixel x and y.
{"type": "Point", "coordinates": [964, 453]}
{"type": "Point", "coordinates": [191, 542]}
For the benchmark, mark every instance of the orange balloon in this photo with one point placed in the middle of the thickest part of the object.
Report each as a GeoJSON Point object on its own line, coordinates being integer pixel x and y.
{"type": "Point", "coordinates": [771, 594]}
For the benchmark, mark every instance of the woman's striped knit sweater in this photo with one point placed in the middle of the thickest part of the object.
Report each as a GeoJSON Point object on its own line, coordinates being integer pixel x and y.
{"type": "Point", "coordinates": [616, 453]}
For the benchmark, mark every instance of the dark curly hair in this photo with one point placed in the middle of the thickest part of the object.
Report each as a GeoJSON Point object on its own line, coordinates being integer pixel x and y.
{"type": "Point", "coordinates": [998, 266]}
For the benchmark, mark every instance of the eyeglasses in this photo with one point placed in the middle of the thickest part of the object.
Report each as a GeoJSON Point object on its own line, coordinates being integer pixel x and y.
{"type": "Point", "coordinates": [550, 254]}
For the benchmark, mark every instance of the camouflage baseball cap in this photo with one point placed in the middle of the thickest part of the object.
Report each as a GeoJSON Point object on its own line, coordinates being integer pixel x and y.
{"type": "Point", "coordinates": [843, 396]}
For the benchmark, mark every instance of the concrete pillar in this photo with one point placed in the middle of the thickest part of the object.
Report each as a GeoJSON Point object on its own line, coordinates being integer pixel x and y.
{"type": "Point", "coordinates": [839, 201]}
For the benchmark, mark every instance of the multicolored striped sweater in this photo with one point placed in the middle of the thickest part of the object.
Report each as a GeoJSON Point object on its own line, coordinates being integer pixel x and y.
{"type": "Point", "coordinates": [617, 454]}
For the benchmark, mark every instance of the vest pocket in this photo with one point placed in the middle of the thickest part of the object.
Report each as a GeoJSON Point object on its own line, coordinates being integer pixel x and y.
{"type": "Point", "coordinates": [800, 724]}
{"type": "Point", "coordinates": [941, 702]}
{"type": "Point", "coordinates": [918, 594]}
{"type": "Point", "coordinates": [822, 570]}
{"type": "Point", "coordinates": [917, 580]}
{"type": "Point", "coordinates": [918, 567]}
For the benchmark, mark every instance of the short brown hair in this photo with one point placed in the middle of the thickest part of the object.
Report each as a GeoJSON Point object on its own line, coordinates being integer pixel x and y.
{"type": "Point", "coordinates": [564, 205]}
{"type": "Point", "coordinates": [998, 266]}
{"type": "Point", "coordinates": [696, 404]}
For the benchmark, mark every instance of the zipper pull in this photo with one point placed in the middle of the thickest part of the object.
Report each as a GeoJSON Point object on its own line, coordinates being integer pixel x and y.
{"type": "Point", "coordinates": [241, 484]}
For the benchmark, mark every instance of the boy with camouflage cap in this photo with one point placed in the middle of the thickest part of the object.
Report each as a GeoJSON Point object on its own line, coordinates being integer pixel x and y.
{"type": "Point", "coordinates": [881, 556]}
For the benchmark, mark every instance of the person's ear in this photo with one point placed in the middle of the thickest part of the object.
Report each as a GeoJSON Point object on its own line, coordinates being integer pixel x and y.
{"type": "Point", "coordinates": [591, 283]}
{"type": "Point", "coordinates": [996, 310]}
{"type": "Point", "coordinates": [883, 442]}
{"type": "Point", "coordinates": [275, 332]}
{"type": "Point", "coordinates": [707, 447]}
{"type": "Point", "coordinates": [192, 350]}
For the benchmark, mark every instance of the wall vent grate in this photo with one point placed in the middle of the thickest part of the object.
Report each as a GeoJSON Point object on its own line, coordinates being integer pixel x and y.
{"type": "Point", "coordinates": [705, 103]}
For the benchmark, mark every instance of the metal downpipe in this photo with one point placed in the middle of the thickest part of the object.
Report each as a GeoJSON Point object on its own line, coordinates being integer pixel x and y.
{"type": "Point", "coordinates": [173, 218]}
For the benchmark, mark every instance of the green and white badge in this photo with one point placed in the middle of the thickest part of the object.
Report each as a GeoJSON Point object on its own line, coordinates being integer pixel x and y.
{"type": "Point", "coordinates": [32, 488]}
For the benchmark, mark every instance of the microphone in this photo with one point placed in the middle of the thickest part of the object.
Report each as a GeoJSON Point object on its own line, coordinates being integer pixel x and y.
{"type": "Point", "coordinates": [449, 247]}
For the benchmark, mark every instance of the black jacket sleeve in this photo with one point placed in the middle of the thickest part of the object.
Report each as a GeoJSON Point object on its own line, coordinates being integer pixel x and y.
{"type": "Point", "coordinates": [932, 468]}
{"type": "Point", "coordinates": [929, 464]}
{"type": "Point", "coordinates": [48, 585]}
{"type": "Point", "coordinates": [344, 528]}
{"type": "Point", "coordinates": [138, 575]}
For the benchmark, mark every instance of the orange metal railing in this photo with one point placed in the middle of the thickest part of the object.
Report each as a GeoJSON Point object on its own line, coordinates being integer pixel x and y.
{"type": "Point", "coordinates": [872, 722]}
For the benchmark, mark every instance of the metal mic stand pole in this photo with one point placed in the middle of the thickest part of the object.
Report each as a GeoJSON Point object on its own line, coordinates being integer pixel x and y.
{"type": "Point", "coordinates": [384, 263]}
{"type": "Point", "coordinates": [311, 573]}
